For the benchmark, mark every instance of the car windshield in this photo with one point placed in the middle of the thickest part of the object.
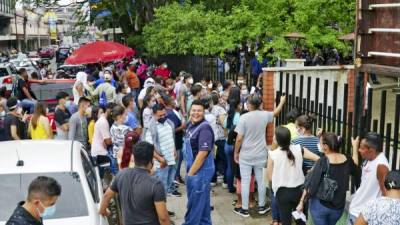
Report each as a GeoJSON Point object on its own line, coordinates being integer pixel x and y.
{"type": "Point", "coordinates": [71, 203]}
{"type": "Point", "coordinates": [3, 72]}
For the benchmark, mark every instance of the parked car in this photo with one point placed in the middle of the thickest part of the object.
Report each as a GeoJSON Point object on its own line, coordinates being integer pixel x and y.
{"type": "Point", "coordinates": [6, 72]}
{"type": "Point", "coordinates": [67, 162]}
{"type": "Point", "coordinates": [28, 64]}
{"type": "Point", "coordinates": [33, 54]}
{"type": "Point", "coordinates": [47, 53]}
{"type": "Point", "coordinates": [71, 70]}
{"type": "Point", "coordinates": [62, 54]}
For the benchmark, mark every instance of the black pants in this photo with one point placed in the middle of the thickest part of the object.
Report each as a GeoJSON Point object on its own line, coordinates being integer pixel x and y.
{"type": "Point", "coordinates": [288, 199]}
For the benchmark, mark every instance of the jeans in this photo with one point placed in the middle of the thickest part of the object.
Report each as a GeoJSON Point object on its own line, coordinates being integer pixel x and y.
{"type": "Point", "coordinates": [245, 173]}
{"type": "Point", "coordinates": [288, 199]}
{"type": "Point", "coordinates": [322, 215]}
{"type": "Point", "coordinates": [179, 163]}
{"type": "Point", "coordinates": [229, 167]}
{"type": "Point", "coordinates": [27, 103]}
{"type": "Point", "coordinates": [166, 176]}
{"type": "Point", "coordinates": [274, 207]}
{"type": "Point", "coordinates": [220, 160]}
{"type": "Point", "coordinates": [351, 220]}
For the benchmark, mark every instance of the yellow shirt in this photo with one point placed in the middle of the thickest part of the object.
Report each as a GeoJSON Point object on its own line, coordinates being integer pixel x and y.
{"type": "Point", "coordinates": [91, 131]}
{"type": "Point", "coordinates": [293, 130]}
{"type": "Point", "coordinates": [39, 132]}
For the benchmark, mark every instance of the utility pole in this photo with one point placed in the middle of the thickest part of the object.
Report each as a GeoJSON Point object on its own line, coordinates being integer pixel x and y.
{"type": "Point", "coordinates": [16, 32]}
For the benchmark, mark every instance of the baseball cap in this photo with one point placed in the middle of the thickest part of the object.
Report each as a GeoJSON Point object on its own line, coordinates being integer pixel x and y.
{"type": "Point", "coordinates": [392, 180]}
{"type": "Point", "coordinates": [12, 103]}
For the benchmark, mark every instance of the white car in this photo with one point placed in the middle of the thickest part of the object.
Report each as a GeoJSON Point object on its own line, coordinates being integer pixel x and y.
{"type": "Point", "coordinates": [65, 161]}
{"type": "Point", "coordinates": [6, 72]}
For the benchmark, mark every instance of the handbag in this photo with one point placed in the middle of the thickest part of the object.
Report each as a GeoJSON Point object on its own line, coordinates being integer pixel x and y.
{"type": "Point", "coordinates": [328, 186]}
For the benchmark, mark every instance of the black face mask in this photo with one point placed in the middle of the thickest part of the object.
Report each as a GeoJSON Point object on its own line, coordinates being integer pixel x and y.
{"type": "Point", "coordinates": [162, 120]}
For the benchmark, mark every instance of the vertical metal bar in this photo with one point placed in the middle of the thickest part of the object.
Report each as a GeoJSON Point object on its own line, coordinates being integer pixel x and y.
{"type": "Point", "coordinates": [358, 103]}
{"type": "Point", "coordinates": [325, 104]}
{"type": "Point", "coordinates": [305, 106]}
{"type": "Point", "coordinates": [350, 127]}
{"type": "Point", "coordinates": [309, 94]}
{"type": "Point", "coordinates": [316, 94]}
{"type": "Point", "coordinates": [278, 121]}
{"type": "Point", "coordinates": [330, 119]}
{"type": "Point", "coordinates": [387, 139]}
{"type": "Point", "coordinates": [290, 103]}
{"type": "Point", "coordinates": [312, 107]}
{"type": "Point", "coordinates": [383, 114]}
{"type": "Point", "coordinates": [339, 120]}
{"type": "Point", "coordinates": [334, 108]}
{"type": "Point", "coordinates": [396, 131]}
{"type": "Point", "coordinates": [287, 93]}
{"type": "Point", "coordinates": [369, 110]}
{"type": "Point", "coordinates": [297, 105]}
{"type": "Point", "coordinates": [294, 90]}
{"type": "Point", "coordinates": [375, 126]}
{"type": "Point", "coordinates": [345, 113]}
{"type": "Point", "coordinates": [320, 115]}
{"type": "Point", "coordinates": [301, 93]}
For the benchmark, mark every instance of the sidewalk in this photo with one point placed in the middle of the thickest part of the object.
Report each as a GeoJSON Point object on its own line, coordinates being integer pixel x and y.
{"type": "Point", "coordinates": [223, 213]}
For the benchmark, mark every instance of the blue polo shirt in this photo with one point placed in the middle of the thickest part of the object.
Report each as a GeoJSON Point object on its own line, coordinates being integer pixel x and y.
{"type": "Point", "coordinates": [202, 139]}
{"type": "Point", "coordinates": [131, 120]}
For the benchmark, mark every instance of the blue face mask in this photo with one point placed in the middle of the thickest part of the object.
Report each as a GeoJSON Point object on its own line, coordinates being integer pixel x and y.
{"type": "Point", "coordinates": [162, 120]}
{"type": "Point", "coordinates": [48, 212]}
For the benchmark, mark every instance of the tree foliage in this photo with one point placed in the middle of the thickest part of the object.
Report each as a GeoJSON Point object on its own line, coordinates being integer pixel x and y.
{"type": "Point", "coordinates": [199, 27]}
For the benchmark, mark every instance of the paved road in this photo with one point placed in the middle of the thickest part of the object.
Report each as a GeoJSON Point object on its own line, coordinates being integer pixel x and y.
{"type": "Point", "coordinates": [222, 214]}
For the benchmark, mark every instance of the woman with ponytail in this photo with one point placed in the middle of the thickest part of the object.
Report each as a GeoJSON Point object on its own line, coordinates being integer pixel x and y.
{"type": "Point", "coordinates": [340, 169]}
{"type": "Point", "coordinates": [286, 174]}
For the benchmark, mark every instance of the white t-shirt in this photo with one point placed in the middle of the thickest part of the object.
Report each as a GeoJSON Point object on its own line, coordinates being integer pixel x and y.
{"type": "Point", "coordinates": [101, 132]}
{"type": "Point", "coordinates": [369, 188]}
{"type": "Point", "coordinates": [285, 173]}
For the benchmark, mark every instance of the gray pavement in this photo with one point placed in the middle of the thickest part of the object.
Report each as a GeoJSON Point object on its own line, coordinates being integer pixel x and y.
{"type": "Point", "coordinates": [222, 200]}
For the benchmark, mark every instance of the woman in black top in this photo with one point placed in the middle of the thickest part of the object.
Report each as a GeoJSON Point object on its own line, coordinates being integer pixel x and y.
{"type": "Point", "coordinates": [340, 169]}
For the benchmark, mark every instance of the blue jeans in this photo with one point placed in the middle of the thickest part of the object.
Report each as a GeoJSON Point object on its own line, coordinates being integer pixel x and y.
{"type": "Point", "coordinates": [220, 160]}
{"type": "Point", "coordinates": [166, 176]}
{"type": "Point", "coordinates": [274, 207]}
{"type": "Point", "coordinates": [245, 174]}
{"type": "Point", "coordinates": [322, 215]}
{"type": "Point", "coordinates": [351, 220]}
{"type": "Point", "coordinates": [29, 104]}
{"type": "Point", "coordinates": [229, 167]}
{"type": "Point", "coordinates": [179, 163]}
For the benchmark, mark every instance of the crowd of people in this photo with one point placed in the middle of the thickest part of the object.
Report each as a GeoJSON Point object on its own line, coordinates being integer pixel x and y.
{"type": "Point", "coordinates": [146, 123]}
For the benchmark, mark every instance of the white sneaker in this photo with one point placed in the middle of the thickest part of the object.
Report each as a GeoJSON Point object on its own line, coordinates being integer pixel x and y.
{"type": "Point", "coordinates": [224, 186]}
{"type": "Point", "coordinates": [213, 184]}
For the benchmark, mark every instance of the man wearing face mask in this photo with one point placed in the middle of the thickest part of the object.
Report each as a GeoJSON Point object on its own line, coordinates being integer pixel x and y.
{"type": "Point", "coordinates": [62, 115]}
{"type": "Point", "coordinates": [40, 204]}
{"type": "Point", "coordinates": [13, 125]}
{"type": "Point", "coordinates": [78, 126]}
{"type": "Point", "coordinates": [161, 133]}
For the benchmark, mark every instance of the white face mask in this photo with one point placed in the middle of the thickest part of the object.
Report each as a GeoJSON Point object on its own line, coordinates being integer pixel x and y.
{"type": "Point", "coordinates": [88, 111]}
{"type": "Point", "coordinates": [19, 110]}
{"type": "Point", "coordinates": [190, 80]}
{"type": "Point", "coordinates": [210, 86]}
{"type": "Point", "coordinates": [181, 78]}
{"type": "Point", "coordinates": [128, 90]}
{"type": "Point", "coordinates": [3, 113]}
{"type": "Point", "coordinates": [245, 92]}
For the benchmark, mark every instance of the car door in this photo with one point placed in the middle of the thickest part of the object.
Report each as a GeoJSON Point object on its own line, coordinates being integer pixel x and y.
{"type": "Point", "coordinates": [94, 182]}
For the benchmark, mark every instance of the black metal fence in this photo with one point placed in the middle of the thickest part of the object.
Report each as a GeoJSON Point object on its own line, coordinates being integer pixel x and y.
{"type": "Point", "coordinates": [340, 120]}
{"type": "Point", "coordinates": [203, 66]}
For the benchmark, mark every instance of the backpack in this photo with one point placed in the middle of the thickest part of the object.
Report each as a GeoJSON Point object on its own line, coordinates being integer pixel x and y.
{"type": "Point", "coordinates": [103, 99]}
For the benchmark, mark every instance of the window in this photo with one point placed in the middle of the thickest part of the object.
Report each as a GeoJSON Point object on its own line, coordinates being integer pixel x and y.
{"type": "Point", "coordinates": [91, 177]}
{"type": "Point", "coordinates": [3, 72]}
{"type": "Point", "coordinates": [71, 203]}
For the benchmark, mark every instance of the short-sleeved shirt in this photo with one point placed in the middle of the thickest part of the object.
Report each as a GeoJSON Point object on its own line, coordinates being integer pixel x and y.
{"type": "Point", "coordinates": [131, 120]}
{"type": "Point", "coordinates": [21, 216]}
{"type": "Point", "coordinates": [101, 132]}
{"type": "Point", "coordinates": [118, 132]}
{"type": "Point", "coordinates": [382, 211]}
{"type": "Point", "coordinates": [61, 116]}
{"type": "Point", "coordinates": [176, 118]}
{"type": "Point", "coordinates": [138, 192]}
{"type": "Point", "coordinates": [311, 143]}
{"type": "Point", "coordinates": [252, 126]}
{"type": "Point", "coordinates": [218, 111]}
{"type": "Point", "coordinates": [132, 79]}
{"type": "Point", "coordinates": [21, 84]}
{"type": "Point", "coordinates": [202, 139]}
{"type": "Point", "coordinates": [10, 120]}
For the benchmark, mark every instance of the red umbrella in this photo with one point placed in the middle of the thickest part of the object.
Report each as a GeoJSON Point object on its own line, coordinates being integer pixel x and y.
{"type": "Point", "coordinates": [99, 51]}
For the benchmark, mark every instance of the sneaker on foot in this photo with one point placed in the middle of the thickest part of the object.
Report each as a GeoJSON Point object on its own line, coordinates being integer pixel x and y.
{"type": "Point", "coordinates": [175, 194]}
{"type": "Point", "coordinates": [179, 180]}
{"type": "Point", "coordinates": [262, 210]}
{"type": "Point", "coordinates": [241, 212]}
{"type": "Point", "coordinates": [213, 184]}
{"type": "Point", "coordinates": [224, 186]}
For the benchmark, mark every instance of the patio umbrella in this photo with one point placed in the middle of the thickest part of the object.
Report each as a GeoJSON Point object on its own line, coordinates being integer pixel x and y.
{"type": "Point", "coordinates": [99, 51]}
